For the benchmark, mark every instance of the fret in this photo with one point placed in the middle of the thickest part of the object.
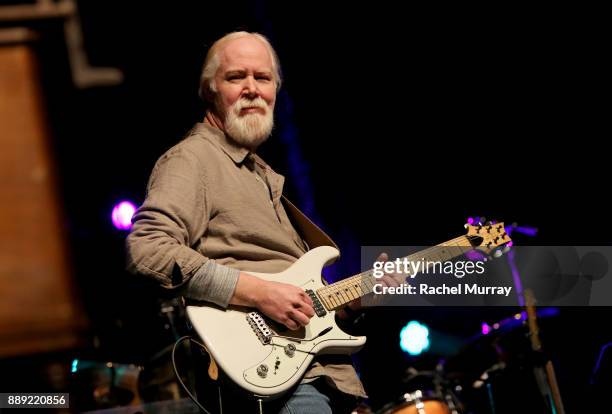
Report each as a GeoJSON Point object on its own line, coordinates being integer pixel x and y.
{"type": "Point", "coordinates": [337, 297]}
{"type": "Point", "coordinates": [356, 294]}
{"type": "Point", "coordinates": [330, 302]}
{"type": "Point", "coordinates": [330, 298]}
{"type": "Point", "coordinates": [340, 295]}
{"type": "Point", "coordinates": [351, 294]}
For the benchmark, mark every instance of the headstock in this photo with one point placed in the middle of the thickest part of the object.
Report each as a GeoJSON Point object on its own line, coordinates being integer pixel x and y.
{"type": "Point", "coordinates": [488, 238]}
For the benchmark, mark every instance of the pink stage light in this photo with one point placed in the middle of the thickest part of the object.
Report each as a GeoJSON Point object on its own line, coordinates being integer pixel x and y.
{"type": "Point", "coordinates": [122, 215]}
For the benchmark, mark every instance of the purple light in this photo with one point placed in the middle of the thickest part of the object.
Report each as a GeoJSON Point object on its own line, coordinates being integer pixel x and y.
{"type": "Point", "coordinates": [516, 277]}
{"type": "Point", "coordinates": [475, 255]}
{"type": "Point", "coordinates": [529, 231]}
{"type": "Point", "coordinates": [485, 328]}
{"type": "Point", "coordinates": [602, 351]}
{"type": "Point", "coordinates": [470, 220]}
{"type": "Point", "coordinates": [122, 215]}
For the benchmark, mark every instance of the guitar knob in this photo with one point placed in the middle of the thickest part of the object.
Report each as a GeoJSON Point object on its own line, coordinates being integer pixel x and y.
{"type": "Point", "coordinates": [262, 370]}
{"type": "Point", "coordinates": [290, 350]}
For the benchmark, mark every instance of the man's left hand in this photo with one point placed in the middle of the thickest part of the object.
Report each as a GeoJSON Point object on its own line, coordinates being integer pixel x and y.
{"type": "Point", "coordinates": [388, 279]}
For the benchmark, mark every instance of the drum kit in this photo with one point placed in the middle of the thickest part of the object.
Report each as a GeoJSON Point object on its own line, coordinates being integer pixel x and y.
{"type": "Point", "coordinates": [498, 371]}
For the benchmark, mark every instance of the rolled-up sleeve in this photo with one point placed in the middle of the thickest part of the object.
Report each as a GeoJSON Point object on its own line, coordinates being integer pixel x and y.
{"type": "Point", "coordinates": [172, 218]}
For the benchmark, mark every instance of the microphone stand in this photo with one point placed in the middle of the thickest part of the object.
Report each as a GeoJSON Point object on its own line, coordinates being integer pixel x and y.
{"type": "Point", "coordinates": [544, 371]}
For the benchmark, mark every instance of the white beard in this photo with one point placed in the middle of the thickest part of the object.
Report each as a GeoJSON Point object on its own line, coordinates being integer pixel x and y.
{"type": "Point", "coordinates": [249, 130]}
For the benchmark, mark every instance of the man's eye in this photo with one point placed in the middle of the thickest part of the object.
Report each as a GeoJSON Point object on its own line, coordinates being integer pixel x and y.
{"type": "Point", "coordinates": [263, 78]}
{"type": "Point", "coordinates": [234, 77]}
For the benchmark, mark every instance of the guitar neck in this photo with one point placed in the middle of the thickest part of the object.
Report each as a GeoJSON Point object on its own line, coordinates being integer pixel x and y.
{"type": "Point", "coordinates": [339, 294]}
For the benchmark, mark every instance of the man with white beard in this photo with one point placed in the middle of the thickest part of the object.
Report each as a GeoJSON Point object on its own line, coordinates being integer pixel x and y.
{"type": "Point", "coordinates": [214, 209]}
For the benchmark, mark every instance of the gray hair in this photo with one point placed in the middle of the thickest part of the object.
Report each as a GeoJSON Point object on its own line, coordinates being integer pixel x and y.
{"type": "Point", "coordinates": [212, 62]}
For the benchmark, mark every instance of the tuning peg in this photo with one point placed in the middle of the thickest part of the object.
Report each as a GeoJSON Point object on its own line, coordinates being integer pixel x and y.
{"type": "Point", "coordinates": [506, 249]}
{"type": "Point", "coordinates": [497, 253]}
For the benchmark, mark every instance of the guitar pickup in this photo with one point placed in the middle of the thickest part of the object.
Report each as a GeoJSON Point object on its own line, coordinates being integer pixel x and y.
{"type": "Point", "coordinates": [318, 306]}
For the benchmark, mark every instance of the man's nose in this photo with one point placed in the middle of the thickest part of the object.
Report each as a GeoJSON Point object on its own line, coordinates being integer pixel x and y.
{"type": "Point", "coordinates": [250, 87]}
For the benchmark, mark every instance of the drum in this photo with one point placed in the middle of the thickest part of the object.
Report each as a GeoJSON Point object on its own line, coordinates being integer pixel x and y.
{"type": "Point", "coordinates": [428, 393]}
{"type": "Point", "coordinates": [417, 402]}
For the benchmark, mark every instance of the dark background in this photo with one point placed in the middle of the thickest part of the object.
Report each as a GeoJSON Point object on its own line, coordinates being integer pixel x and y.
{"type": "Point", "coordinates": [405, 121]}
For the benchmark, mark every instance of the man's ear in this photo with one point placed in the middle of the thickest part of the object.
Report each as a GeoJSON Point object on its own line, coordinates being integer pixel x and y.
{"type": "Point", "coordinates": [207, 94]}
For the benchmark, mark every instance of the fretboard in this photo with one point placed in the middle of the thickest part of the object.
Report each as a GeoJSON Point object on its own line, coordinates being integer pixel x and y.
{"type": "Point", "coordinates": [338, 294]}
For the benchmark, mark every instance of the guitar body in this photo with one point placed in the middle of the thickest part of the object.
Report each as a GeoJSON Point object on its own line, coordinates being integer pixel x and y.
{"type": "Point", "coordinates": [270, 369]}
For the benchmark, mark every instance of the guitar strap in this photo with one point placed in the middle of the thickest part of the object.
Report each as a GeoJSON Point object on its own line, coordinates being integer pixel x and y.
{"type": "Point", "coordinates": [310, 232]}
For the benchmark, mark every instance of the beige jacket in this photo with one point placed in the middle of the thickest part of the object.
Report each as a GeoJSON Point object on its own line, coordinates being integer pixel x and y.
{"type": "Point", "coordinates": [206, 201]}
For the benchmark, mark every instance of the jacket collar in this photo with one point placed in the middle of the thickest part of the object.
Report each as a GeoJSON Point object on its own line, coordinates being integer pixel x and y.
{"type": "Point", "coordinates": [233, 150]}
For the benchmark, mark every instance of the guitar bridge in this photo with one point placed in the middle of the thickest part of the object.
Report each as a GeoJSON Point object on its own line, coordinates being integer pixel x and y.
{"type": "Point", "coordinates": [318, 307]}
{"type": "Point", "coordinates": [260, 327]}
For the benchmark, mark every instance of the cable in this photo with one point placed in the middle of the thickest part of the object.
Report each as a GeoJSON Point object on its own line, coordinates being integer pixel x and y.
{"type": "Point", "coordinates": [179, 377]}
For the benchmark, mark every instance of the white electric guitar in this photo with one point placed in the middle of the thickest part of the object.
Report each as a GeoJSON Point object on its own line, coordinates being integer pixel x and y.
{"type": "Point", "coordinates": [266, 358]}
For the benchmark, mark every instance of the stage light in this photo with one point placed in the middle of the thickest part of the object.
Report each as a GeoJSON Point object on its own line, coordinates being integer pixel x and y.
{"type": "Point", "coordinates": [476, 256]}
{"type": "Point", "coordinates": [414, 338]}
{"type": "Point", "coordinates": [122, 215]}
{"type": "Point", "coordinates": [75, 364]}
{"type": "Point", "coordinates": [485, 328]}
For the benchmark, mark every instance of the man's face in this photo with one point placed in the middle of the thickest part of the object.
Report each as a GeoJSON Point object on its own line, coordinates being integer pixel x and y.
{"type": "Point", "coordinates": [246, 91]}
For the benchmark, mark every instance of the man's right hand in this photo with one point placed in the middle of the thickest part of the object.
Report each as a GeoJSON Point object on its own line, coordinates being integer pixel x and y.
{"type": "Point", "coordinates": [284, 303]}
